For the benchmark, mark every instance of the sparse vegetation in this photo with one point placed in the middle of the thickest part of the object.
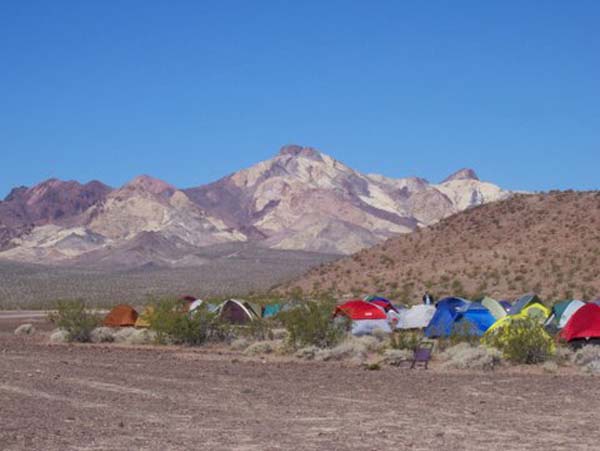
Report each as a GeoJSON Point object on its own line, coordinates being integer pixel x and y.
{"type": "Point", "coordinates": [312, 324]}
{"type": "Point", "coordinates": [173, 325]}
{"type": "Point", "coordinates": [75, 319]}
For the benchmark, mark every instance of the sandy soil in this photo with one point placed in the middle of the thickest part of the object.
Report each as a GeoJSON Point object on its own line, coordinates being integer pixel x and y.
{"type": "Point", "coordinates": [91, 397]}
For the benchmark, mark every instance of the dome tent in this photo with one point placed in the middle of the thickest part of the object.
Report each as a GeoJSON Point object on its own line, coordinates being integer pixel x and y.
{"type": "Point", "coordinates": [456, 315]}
{"type": "Point", "coordinates": [121, 315]}
{"type": "Point", "coordinates": [365, 317]}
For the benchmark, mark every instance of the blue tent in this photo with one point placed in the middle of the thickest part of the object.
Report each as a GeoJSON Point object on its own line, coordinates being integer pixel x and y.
{"type": "Point", "coordinates": [475, 320]}
{"type": "Point", "coordinates": [456, 315]}
{"type": "Point", "coordinates": [446, 313]}
{"type": "Point", "coordinates": [271, 310]}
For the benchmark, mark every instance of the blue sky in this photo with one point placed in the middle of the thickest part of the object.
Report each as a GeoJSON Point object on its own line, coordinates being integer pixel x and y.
{"type": "Point", "coordinates": [189, 91]}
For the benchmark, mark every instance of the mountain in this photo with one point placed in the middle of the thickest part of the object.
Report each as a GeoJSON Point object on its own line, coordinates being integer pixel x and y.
{"type": "Point", "coordinates": [304, 199]}
{"type": "Point", "coordinates": [145, 212]}
{"type": "Point", "coordinates": [50, 202]}
{"type": "Point", "coordinates": [301, 199]}
{"type": "Point", "coordinates": [545, 243]}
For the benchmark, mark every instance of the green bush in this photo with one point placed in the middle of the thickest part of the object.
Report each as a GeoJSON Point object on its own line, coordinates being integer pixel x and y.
{"type": "Point", "coordinates": [173, 324]}
{"type": "Point", "coordinates": [311, 324]}
{"type": "Point", "coordinates": [75, 319]}
{"type": "Point", "coordinates": [522, 341]}
{"type": "Point", "coordinates": [407, 340]}
{"type": "Point", "coordinates": [259, 329]}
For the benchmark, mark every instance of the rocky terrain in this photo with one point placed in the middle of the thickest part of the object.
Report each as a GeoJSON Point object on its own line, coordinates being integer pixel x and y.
{"type": "Point", "coordinates": [301, 199]}
{"type": "Point", "coordinates": [57, 397]}
{"type": "Point", "coordinates": [545, 243]}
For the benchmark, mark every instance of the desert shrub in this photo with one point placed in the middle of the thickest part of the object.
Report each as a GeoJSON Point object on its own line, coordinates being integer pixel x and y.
{"type": "Point", "coordinates": [262, 347]}
{"type": "Point", "coordinates": [405, 340]}
{"type": "Point", "coordinates": [75, 320]}
{"type": "Point", "coordinates": [465, 356]}
{"type": "Point", "coordinates": [522, 341]}
{"type": "Point", "coordinates": [355, 349]}
{"type": "Point", "coordinates": [588, 358]}
{"type": "Point", "coordinates": [172, 324]}
{"type": "Point", "coordinates": [308, 352]}
{"type": "Point", "coordinates": [123, 334]}
{"type": "Point", "coordinates": [312, 324]}
{"type": "Point", "coordinates": [258, 329]}
{"type": "Point", "coordinates": [240, 344]}
{"type": "Point", "coordinates": [102, 335]}
{"type": "Point", "coordinates": [59, 336]}
{"type": "Point", "coordinates": [397, 356]}
{"type": "Point", "coordinates": [25, 329]}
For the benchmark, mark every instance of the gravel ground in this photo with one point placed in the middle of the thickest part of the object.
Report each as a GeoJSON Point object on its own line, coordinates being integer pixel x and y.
{"type": "Point", "coordinates": [92, 397]}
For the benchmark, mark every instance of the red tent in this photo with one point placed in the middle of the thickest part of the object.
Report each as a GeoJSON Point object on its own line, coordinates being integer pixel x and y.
{"type": "Point", "coordinates": [583, 324]}
{"type": "Point", "coordinates": [360, 310]}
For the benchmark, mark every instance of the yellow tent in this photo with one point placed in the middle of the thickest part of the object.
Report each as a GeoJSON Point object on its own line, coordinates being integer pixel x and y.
{"type": "Point", "coordinates": [143, 321]}
{"type": "Point", "coordinates": [535, 310]}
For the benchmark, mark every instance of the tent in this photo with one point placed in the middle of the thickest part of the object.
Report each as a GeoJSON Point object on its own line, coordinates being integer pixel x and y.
{"type": "Point", "coordinates": [445, 316]}
{"type": "Point", "coordinates": [195, 304]}
{"type": "Point", "coordinates": [122, 315]}
{"type": "Point", "coordinates": [271, 310]}
{"type": "Point", "coordinates": [238, 312]}
{"type": "Point", "coordinates": [384, 303]}
{"type": "Point", "coordinates": [494, 307]}
{"type": "Point", "coordinates": [505, 304]}
{"type": "Point", "coordinates": [475, 320]}
{"type": "Point", "coordinates": [456, 315]}
{"type": "Point", "coordinates": [357, 310]}
{"type": "Point", "coordinates": [534, 310]}
{"type": "Point", "coordinates": [584, 324]}
{"type": "Point", "coordinates": [365, 317]}
{"type": "Point", "coordinates": [416, 317]}
{"type": "Point", "coordinates": [561, 313]}
{"type": "Point", "coordinates": [143, 320]}
{"type": "Point", "coordinates": [523, 302]}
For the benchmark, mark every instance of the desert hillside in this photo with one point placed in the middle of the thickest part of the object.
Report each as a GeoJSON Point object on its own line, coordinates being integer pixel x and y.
{"type": "Point", "coordinates": [546, 243]}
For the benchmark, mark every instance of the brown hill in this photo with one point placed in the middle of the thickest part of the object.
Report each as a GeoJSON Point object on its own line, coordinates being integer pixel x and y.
{"type": "Point", "coordinates": [546, 243]}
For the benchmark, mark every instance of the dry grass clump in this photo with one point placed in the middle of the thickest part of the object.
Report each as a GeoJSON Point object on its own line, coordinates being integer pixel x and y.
{"type": "Point", "coordinates": [265, 347]}
{"type": "Point", "coordinates": [308, 352]}
{"type": "Point", "coordinates": [123, 334]}
{"type": "Point", "coordinates": [588, 358]}
{"type": "Point", "coordinates": [463, 356]}
{"type": "Point", "coordinates": [102, 335]}
{"type": "Point", "coordinates": [240, 344]}
{"type": "Point", "coordinates": [141, 337]}
{"type": "Point", "coordinates": [355, 349]}
{"type": "Point", "coordinates": [25, 329]}
{"type": "Point", "coordinates": [396, 356]}
{"type": "Point", "coordinates": [59, 336]}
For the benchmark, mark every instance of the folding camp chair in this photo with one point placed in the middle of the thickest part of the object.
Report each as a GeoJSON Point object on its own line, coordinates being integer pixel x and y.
{"type": "Point", "coordinates": [422, 355]}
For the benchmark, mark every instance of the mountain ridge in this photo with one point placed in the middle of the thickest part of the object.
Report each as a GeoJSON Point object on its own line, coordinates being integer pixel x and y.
{"type": "Point", "coordinates": [301, 199]}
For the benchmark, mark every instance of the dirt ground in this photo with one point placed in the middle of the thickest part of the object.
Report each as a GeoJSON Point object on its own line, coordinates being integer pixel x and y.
{"type": "Point", "coordinates": [93, 397]}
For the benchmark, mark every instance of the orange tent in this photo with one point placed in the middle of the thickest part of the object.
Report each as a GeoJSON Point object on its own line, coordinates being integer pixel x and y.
{"type": "Point", "coordinates": [122, 315]}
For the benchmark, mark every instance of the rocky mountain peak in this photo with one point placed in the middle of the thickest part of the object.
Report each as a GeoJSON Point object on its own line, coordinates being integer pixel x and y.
{"type": "Point", "coordinates": [299, 151]}
{"type": "Point", "coordinates": [462, 174]}
{"type": "Point", "coordinates": [151, 185]}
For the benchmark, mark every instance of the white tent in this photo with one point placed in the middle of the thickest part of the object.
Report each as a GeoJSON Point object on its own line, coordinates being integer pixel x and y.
{"type": "Point", "coordinates": [416, 317]}
{"type": "Point", "coordinates": [494, 307]}
{"type": "Point", "coordinates": [194, 305]}
{"type": "Point", "coordinates": [368, 326]}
